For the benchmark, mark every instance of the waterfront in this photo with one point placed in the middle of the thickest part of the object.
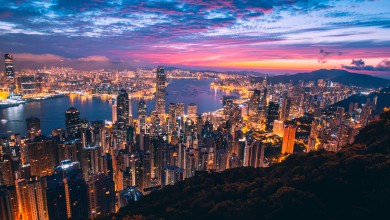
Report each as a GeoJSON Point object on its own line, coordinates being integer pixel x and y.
{"type": "Point", "coordinates": [51, 112]}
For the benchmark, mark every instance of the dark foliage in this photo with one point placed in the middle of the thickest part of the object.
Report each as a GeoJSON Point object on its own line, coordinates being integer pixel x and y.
{"type": "Point", "coordinates": [350, 184]}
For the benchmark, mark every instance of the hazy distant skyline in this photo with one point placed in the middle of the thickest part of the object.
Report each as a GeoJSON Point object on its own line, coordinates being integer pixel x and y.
{"type": "Point", "coordinates": [265, 36]}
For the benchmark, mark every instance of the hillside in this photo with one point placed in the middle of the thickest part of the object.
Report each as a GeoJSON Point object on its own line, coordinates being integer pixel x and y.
{"type": "Point", "coordinates": [382, 102]}
{"type": "Point", "coordinates": [342, 76]}
{"type": "Point", "coordinates": [351, 184]}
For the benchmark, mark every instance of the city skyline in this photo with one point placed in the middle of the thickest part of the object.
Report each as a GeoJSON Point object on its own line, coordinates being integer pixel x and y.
{"type": "Point", "coordinates": [271, 37]}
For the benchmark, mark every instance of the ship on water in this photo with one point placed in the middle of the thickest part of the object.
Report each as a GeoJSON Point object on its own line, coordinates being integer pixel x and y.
{"type": "Point", "coordinates": [12, 100]}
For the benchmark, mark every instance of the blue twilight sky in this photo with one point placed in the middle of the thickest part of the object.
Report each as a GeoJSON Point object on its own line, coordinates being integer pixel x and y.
{"type": "Point", "coordinates": [269, 36]}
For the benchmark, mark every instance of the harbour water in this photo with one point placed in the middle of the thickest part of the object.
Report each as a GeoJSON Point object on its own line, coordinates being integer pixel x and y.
{"type": "Point", "coordinates": [51, 112]}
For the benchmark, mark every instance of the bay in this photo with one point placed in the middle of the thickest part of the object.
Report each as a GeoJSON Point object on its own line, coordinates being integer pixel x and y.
{"type": "Point", "coordinates": [51, 112]}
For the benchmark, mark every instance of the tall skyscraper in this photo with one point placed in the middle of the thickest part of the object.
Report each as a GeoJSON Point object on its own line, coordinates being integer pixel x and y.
{"type": "Point", "coordinates": [122, 109]}
{"type": "Point", "coordinates": [285, 112]}
{"type": "Point", "coordinates": [192, 111]}
{"type": "Point", "coordinates": [72, 121]}
{"type": "Point", "coordinates": [9, 71]}
{"type": "Point", "coordinates": [41, 154]}
{"type": "Point", "coordinates": [288, 139]}
{"type": "Point", "coordinates": [142, 116]}
{"type": "Point", "coordinates": [160, 91]}
{"type": "Point", "coordinates": [33, 127]}
{"type": "Point", "coordinates": [272, 115]}
{"type": "Point", "coordinates": [179, 109]}
{"type": "Point", "coordinates": [101, 195]}
{"type": "Point", "coordinates": [254, 103]}
{"type": "Point", "coordinates": [114, 113]}
{"type": "Point", "coordinates": [32, 198]}
{"type": "Point", "coordinates": [6, 212]}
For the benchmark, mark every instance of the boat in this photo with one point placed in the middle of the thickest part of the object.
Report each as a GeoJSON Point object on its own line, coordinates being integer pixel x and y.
{"type": "Point", "coordinates": [12, 101]}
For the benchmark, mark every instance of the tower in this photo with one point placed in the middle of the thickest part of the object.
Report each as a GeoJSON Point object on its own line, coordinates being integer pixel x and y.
{"type": "Point", "coordinates": [33, 127]}
{"type": "Point", "coordinates": [9, 71]}
{"type": "Point", "coordinates": [160, 91]}
{"type": "Point", "coordinates": [192, 111]}
{"type": "Point", "coordinates": [72, 121]}
{"type": "Point", "coordinates": [142, 116]}
{"type": "Point", "coordinates": [288, 139]}
{"type": "Point", "coordinates": [122, 113]}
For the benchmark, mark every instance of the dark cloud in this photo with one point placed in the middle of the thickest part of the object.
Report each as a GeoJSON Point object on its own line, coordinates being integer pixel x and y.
{"type": "Point", "coordinates": [325, 54]}
{"type": "Point", "coordinates": [359, 64]}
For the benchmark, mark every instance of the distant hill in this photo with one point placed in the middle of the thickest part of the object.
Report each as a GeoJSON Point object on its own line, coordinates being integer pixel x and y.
{"type": "Point", "coordinates": [335, 75]}
{"type": "Point", "coordinates": [350, 184]}
{"type": "Point", "coordinates": [382, 102]}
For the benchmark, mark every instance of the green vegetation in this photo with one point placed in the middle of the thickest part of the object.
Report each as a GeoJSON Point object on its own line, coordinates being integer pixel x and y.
{"type": "Point", "coordinates": [350, 184]}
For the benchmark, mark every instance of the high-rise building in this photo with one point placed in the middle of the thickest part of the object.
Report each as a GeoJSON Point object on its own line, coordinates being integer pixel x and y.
{"type": "Point", "coordinates": [285, 111]}
{"type": "Point", "coordinates": [33, 127]}
{"type": "Point", "coordinates": [179, 110]}
{"type": "Point", "coordinates": [101, 195]}
{"type": "Point", "coordinates": [41, 154]}
{"type": "Point", "coordinates": [142, 116]}
{"type": "Point", "coordinates": [160, 91]}
{"type": "Point", "coordinates": [6, 211]}
{"type": "Point", "coordinates": [192, 111]}
{"type": "Point", "coordinates": [9, 71]}
{"type": "Point", "coordinates": [72, 121]}
{"type": "Point", "coordinates": [67, 179]}
{"type": "Point", "coordinates": [114, 113]}
{"type": "Point", "coordinates": [32, 198]}
{"type": "Point", "coordinates": [278, 128]}
{"type": "Point", "coordinates": [254, 103]}
{"type": "Point", "coordinates": [122, 109]}
{"type": "Point", "coordinates": [288, 139]}
{"type": "Point", "coordinates": [272, 115]}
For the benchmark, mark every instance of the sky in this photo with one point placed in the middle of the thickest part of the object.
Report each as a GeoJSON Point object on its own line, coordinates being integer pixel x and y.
{"type": "Point", "coordinates": [271, 36]}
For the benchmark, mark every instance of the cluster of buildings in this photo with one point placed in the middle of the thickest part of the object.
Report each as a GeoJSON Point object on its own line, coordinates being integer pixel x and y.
{"type": "Point", "coordinates": [91, 169]}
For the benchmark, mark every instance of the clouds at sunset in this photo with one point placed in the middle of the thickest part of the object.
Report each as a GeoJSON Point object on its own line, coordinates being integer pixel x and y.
{"type": "Point", "coordinates": [201, 34]}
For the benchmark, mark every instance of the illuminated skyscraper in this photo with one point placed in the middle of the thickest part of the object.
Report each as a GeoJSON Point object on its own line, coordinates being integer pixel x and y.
{"type": "Point", "coordinates": [72, 121]}
{"type": "Point", "coordinates": [114, 113]}
{"type": "Point", "coordinates": [285, 111]}
{"type": "Point", "coordinates": [254, 103]}
{"type": "Point", "coordinates": [179, 110]}
{"type": "Point", "coordinates": [33, 127]}
{"type": "Point", "coordinates": [288, 139]}
{"type": "Point", "coordinates": [9, 71]}
{"type": "Point", "coordinates": [278, 128]}
{"type": "Point", "coordinates": [142, 116]}
{"type": "Point", "coordinates": [272, 115]}
{"type": "Point", "coordinates": [122, 109]}
{"type": "Point", "coordinates": [101, 195]}
{"type": "Point", "coordinates": [160, 91]}
{"type": "Point", "coordinates": [32, 198]}
{"type": "Point", "coordinates": [192, 110]}
{"type": "Point", "coordinates": [41, 155]}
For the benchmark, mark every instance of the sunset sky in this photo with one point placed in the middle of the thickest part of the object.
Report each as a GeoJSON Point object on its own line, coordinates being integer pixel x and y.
{"type": "Point", "coordinates": [267, 36]}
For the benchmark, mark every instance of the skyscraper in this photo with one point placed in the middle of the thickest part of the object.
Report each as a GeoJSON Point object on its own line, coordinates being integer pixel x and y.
{"type": "Point", "coordinates": [32, 198]}
{"type": "Point", "coordinates": [41, 155]}
{"type": "Point", "coordinates": [192, 111]}
{"type": "Point", "coordinates": [6, 211]}
{"type": "Point", "coordinates": [288, 139]}
{"type": "Point", "coordinates": [9, 71]}
{"type": "Point", "coordinates": [122, 113]}
{"type": "Point", "coordinates": [160, 91]}
{"type": "Point", "coordinates": [101, 195]}
{"type": "Point", "coordinates": [33, 127]}
{"type": "Point", "coordinates": [272, 115]}
{"type": "Point", "coordinates": [114, 113]}
{"type": "Point", "coordinates": [142, 116]}
{"type": "Point", "coordinates": [72, 121]}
